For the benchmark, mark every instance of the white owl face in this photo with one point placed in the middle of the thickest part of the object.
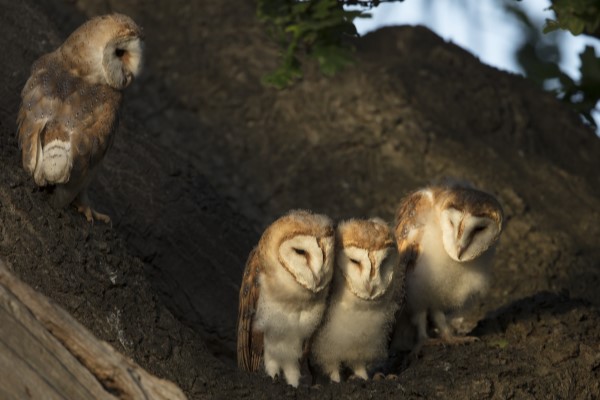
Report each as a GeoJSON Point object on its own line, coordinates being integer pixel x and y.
{"type": "Point", "coordinates": [466, 236]}
{"type": "Point", "coordinates": [122, 61]}
{"type": "Point", "coordinates": [309, 259]}
{"type": "Point", "coordinates": [368, 273]}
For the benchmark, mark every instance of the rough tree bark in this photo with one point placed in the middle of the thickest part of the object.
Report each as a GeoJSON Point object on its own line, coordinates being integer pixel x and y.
{"type": "Point", "coordinates": [47, 354]}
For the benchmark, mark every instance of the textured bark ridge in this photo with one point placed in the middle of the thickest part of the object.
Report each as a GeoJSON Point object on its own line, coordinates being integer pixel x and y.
{"type": "Point", "coordinates": [206, 157]}
{"type": "Point", "coordinates": [46, 353]}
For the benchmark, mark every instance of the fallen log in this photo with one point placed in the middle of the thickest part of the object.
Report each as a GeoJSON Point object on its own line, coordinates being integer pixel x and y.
{"type": "Point", "coordinates": [46, 353]}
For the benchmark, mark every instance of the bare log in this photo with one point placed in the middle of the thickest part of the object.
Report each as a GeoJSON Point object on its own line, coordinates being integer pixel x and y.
{"type": "Point", "coordinates": [46, 353]}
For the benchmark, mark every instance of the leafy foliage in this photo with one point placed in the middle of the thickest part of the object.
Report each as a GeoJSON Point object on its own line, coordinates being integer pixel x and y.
{"type": "Point", "coordinates": [320, 27]}
{"type": "Point", "coordinates": [539, 56]}
{"type": "Point", "coordinates": [585, 94]}
{"type": "Point", "coordinates": [576, 16]}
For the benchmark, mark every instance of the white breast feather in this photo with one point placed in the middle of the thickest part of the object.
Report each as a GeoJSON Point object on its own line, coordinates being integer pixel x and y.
{"type": "Point", "coordinates": [439, 282]}
{"type": "Point", "coordinates": [355, 329]}
{"type": "Point", "coordinates": [288, 317]}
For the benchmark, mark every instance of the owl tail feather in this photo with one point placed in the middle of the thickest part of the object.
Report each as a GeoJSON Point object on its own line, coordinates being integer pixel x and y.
{"type": "Point", "coordinates": [56, 164]}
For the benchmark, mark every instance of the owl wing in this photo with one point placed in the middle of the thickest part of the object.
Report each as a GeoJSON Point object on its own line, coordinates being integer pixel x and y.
{"type": "Point", "coordinates": [408, 232]}
{"type": "Point", "coordinates": [37, 108]}
{"type": "Point", "coordinates": [250, 341]}
{"type": "Point", "coordinates": [409, 228]}
{"type": "Point", "coordinates": [69, 119]}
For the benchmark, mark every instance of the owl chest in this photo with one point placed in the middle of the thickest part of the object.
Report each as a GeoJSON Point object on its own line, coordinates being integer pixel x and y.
{"type": "Point", "coordinates": [448, 284]}
{"type": "Point", "coordinates": [355, 331]}
{"type": "Point", "coordinates": [361, 321]}
{"type": "Point", "coordinates": [278, 318]}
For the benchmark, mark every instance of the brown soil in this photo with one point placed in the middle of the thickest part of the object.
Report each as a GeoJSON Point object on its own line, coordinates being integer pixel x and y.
{"type": "Point", "coordinates": [206, 157]}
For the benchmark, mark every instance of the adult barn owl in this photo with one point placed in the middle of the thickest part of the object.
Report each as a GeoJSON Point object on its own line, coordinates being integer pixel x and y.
{"type": "Point", "coordinates": [69, 108]}
{"type": "Point", "coordinates": [284, 292]}
{"type": "Point", "coordinates": [365, 294]}
{"type": "Point", "coordinates": [446, 237]}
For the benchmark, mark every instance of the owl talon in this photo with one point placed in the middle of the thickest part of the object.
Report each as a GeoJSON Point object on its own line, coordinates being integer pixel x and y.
{"type": "Point", "coordinates": [379, 376]}
{"type": "Point", "coordinates": [358, 377]}
{"type": "Point", "coordinates": [91, 215]}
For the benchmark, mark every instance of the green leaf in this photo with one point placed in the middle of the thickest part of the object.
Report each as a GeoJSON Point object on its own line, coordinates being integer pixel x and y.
{"type": "Point", "coordinates": [576, 16]}
{"type": "Point", "coordinates": [301, 7]}
{"type": "Point", "coordinates": [283, 76]}
{"type": "Point", "coordinates": [575, 25]}
{"type": "Point", "coordinates": [332, 58]}
{"type": "Point", "coordinates": [319, 28]}
{"type": "Point", "coordinates": [324, 8]}
{"type": "Point", "coordinates": [551, 26]}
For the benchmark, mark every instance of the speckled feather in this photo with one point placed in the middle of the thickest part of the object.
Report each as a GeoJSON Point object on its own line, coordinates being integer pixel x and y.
{"type": "Point", "coordinates": [250, 342]}
{"type": "Point", "coordinates": [408, 226]}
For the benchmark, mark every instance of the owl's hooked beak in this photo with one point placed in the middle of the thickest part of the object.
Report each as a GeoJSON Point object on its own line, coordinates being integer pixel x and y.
{"type": "Point", "coordinates": [459, 250]}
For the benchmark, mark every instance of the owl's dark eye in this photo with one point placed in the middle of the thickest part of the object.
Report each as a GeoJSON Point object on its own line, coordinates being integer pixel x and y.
{"type": "Point", "coordinates": [353, 261]}
{"type": "Point", "coordinates": [119, 52]}
{"type": "Point", "coordinates": [478, 229]}
{"type": "Point", "coordinates": [300, 252]}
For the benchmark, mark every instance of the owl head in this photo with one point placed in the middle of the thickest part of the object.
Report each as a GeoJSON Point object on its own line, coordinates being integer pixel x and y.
{"type": "Point", "coordinates": [303, 244]}
{"type": "Point", "coordinates": [106, 50]}
{"type": "Point", "coordinates": [366, 256]}
{"type": "Point", "coordinates": [471, 223]}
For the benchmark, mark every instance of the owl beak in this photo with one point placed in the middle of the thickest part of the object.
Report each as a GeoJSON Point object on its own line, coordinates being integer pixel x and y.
{"type": "Point", "coordinates": [316, 277]}
{"type": "Point", "coordinates": [459, 251]}
{"type": "Point", "coordinates": [372, 291]}
{"type": "Point", "coordinates": [319, 277]}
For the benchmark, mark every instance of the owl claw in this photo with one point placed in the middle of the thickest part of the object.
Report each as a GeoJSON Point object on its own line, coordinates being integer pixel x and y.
{"type": "Point", "coordinates": [91, 214]}
{"type": "Point", "coordinates": [379, 376]}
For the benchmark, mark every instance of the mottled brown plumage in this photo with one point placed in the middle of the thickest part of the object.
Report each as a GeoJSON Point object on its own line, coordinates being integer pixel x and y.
{"type": "Point", "coordinates": [70, 104]}
{"type": "Point", "coordinates": [250, 342]}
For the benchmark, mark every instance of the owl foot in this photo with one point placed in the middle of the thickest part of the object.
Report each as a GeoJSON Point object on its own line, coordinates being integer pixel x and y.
{"type": "Point", "coordinates": [91, 215]}
{"type": "Point", "coordinates": [335, 376]}
{"type": "Point", "coordinates": [360, 373]}
{"type": "Point", "coordinates": [380, 376]}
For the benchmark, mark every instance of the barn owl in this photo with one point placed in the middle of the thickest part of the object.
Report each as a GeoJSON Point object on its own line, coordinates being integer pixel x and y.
{"type": "Point", "coordinates": [365, 293]}
{"type": "Point", "coordinates": [446, 237]}
{"type": "Point", "coordinates": [69, 108]}
{"type": "Point", "coordinates": [284, 292]}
